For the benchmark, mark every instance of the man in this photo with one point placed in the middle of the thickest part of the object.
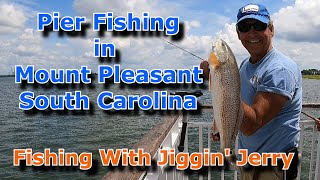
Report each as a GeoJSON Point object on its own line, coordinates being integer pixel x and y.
{"type": "Point", "coordinates": [271, 93]}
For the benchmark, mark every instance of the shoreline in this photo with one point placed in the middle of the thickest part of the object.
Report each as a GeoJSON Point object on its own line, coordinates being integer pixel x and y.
{"type": "Point", "coordinates": [311, 77]}
{"type": "Point", "coordinates": [303, 76]}
{"type": "Point", "coordinates": [6, 76]}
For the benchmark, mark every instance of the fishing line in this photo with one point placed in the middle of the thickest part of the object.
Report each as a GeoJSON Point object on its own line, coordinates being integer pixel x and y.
{"type": "Point", "coordinates": [309, 116]}
{"type": "Point", "coordinates": [182, 49]}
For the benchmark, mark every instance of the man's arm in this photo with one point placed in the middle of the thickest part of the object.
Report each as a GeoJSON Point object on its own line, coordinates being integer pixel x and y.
{"type": "Point", "coordinates": [265, 107]}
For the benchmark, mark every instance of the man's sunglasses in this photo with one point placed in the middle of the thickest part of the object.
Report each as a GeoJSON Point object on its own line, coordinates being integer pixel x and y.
{"type": "Point", "coordinates": [245, 27]}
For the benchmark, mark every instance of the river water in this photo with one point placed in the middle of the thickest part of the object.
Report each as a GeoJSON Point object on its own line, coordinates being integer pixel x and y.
{"type": "Point", "coordinates": [83, 132]}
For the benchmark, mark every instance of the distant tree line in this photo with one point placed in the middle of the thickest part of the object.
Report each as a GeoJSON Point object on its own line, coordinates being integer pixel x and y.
{"type": "Point", "coordinates": [310, 72]}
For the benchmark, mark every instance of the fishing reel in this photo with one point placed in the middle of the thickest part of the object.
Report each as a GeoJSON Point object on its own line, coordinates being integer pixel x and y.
{"type": "Point", "coordinates": [196, 93]}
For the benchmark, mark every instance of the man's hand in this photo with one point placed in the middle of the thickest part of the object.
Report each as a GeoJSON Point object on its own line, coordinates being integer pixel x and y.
{"type": "Point", "coordinates": [204, 65]}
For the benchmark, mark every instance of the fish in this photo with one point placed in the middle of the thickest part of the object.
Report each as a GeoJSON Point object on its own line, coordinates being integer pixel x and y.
{"type": "Point", "coordinates": [224, 86]}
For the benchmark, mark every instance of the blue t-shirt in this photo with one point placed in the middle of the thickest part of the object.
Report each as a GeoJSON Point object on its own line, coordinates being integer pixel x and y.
{"type": "Point", "coordinates": [274, 73]}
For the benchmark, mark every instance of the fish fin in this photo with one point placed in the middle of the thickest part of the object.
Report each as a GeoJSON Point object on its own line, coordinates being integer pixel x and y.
{"type": "Point", "coordinates": [232, 160]}
{"type": "Point", "coordinates": [215, 128]}
{"type": "Point", "coordinates": [239, 121]}
{"type": "Point", "coordinates": [210, 82]}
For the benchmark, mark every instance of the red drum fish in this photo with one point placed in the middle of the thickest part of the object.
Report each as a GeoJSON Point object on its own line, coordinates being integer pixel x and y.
{"type": "Point", "coordinates": [224, 83]}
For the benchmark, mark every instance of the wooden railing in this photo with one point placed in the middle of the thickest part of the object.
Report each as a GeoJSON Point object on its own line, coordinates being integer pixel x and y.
{"type": "Point", "coordinates": [150, 143]}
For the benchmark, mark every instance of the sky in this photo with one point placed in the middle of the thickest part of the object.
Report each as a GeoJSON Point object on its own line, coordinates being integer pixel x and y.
{"type": "Point", "coordinates": [297, 29]}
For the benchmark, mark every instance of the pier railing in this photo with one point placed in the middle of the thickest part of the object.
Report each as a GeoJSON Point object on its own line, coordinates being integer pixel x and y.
{"type": "Point", "coordinates": [150, 143]}
{"type": "Point", "coordinates": [167, 135]}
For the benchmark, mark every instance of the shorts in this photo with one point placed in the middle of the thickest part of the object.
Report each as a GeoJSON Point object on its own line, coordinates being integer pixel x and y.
{"type": "Point", "coordinates": [272, 173]}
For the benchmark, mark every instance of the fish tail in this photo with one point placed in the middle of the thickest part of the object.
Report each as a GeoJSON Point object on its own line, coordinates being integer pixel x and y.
{"type": "Point", "coordinates": [232, 161]}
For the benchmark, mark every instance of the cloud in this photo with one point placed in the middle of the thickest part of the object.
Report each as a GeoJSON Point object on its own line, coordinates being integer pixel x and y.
{"type": "Point", "coordinates": [149, 52]}
{"type": "Point", "coordinates": [12, 18]}
{"type": "Point", "coordinates": [27, 46]}
{"type": "Point", "coordinates": [153, 52]}
{"type": "Point", "coordinates": [194, 24]}
{"type": "Point", "coordinates": [60, 44]}
{"type": "Point", "coordinates": [22, 49]}
{"type": "Point", "coordinates": [300, 22]}
{"type": "Point", "coordinates": [30, 48]}
{"type": "Point", "coordinates": [305, 54]}
{"type": "Point", "coordinates": [121, 7]}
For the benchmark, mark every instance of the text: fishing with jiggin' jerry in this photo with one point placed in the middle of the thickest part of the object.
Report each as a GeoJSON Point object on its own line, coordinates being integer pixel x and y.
{"type": "Point", "coordinates": [132, 157]}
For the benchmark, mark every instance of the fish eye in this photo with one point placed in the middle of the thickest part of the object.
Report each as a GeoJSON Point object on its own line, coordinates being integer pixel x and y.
{"type": "Point", "coordinates": [213, 48]}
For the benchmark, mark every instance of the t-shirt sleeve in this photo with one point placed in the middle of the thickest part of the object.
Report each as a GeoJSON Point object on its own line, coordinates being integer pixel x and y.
{"type": "Point", "coordinates": [280, 81]}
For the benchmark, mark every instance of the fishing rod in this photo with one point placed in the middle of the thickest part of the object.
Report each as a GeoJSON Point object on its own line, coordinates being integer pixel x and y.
{"type": "Point", "coordinates": [309, 116]}
{"type": "Point", "coordinates": [196, 93]}
{"type": "Point", "coordinates": [204, 60]}
{"type": "Point", "coordinates": [182, 49]}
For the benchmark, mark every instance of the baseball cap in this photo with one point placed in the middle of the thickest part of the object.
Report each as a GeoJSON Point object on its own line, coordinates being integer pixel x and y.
{"type": "Point", "coordinates": [253, 11]}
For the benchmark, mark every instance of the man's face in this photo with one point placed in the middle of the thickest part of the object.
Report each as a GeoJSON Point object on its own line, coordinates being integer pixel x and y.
{"type": "Point", "coordinates": [258, 43]}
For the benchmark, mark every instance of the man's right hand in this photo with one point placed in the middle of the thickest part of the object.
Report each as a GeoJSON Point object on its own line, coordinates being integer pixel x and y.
{"type": "Point", "coordinates": [204, 65]}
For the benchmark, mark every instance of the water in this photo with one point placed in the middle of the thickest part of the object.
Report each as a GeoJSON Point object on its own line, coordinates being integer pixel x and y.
{"type": "Point", "coordinates": [80, 132]}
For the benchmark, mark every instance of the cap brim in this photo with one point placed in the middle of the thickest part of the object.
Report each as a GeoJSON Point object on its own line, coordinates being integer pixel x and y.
{"type": "Point", "coordinates": [255, 16]}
